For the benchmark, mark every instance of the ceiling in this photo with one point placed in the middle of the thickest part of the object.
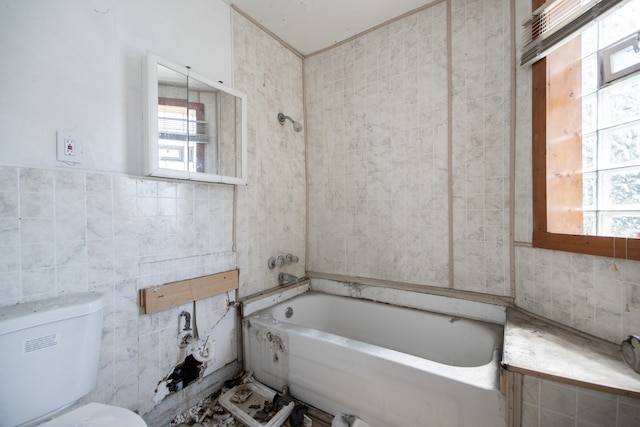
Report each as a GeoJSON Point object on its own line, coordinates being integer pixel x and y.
{"type": "Point", "coordinates": [311, 25]}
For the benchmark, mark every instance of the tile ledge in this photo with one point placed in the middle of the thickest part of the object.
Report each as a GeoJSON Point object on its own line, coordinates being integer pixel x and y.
{"type": "Point", "coordinates": [506, 301]}
{"type": "Point", "coordinates": [266, 298]}
{"type": "Point", "coordinates": [541, 348]}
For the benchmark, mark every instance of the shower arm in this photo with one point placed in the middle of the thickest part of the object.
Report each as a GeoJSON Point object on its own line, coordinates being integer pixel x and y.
{"type": "Point", "coordinates": [296, 125]}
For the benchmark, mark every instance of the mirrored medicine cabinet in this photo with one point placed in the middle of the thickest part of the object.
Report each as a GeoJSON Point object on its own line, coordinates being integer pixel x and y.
{"type": "Point", "coordinates": [195, 127]}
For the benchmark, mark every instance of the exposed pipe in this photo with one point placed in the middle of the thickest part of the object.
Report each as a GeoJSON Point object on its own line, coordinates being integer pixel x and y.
{"type": "Point", "coordinates": [201, 351]}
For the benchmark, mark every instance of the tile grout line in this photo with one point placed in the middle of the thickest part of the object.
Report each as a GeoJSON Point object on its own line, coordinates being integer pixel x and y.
{"type": "Point", "coordinates": [450, 144]}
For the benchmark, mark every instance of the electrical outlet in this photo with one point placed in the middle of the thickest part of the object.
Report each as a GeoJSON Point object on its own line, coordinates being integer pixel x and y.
{"type": "Point", "coordinates": [69, 149]}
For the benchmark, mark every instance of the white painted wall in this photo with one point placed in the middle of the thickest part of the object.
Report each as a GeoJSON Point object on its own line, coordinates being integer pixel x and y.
{"type": "Point", "coordinates": [73, 64]}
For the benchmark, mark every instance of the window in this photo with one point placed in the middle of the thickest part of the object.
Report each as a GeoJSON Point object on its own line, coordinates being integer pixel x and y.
{"type": "Point", "coordinates": [586, 138]}
{"type": "Point", "coordinates": [181, 128]}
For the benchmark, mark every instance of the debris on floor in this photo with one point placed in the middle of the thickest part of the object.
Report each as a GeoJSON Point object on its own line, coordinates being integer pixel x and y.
{"type": "Point", "coordinates": [256, 405]}
{"type": "Point", "coordinates": [348, 420]}
{"type": "Point", "coordinates": [245, 402]}
{"type": "Point", "coordinates": [206, 413]}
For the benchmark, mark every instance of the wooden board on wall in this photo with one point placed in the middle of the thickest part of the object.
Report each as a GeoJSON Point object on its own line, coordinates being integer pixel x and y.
{"type": "Point", "coordinates": [159, 298]}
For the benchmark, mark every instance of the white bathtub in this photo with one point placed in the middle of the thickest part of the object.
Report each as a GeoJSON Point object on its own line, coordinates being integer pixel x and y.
{"type": "Point", "coordinates": [389, 365]}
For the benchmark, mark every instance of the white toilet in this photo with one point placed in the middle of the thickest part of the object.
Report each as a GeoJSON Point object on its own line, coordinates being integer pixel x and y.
{"type": "Point", "coordinates": [49, 353]}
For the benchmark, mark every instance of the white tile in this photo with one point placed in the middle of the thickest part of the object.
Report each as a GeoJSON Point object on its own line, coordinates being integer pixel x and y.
{"type": "Point", "coordinates": [36, 180]}
{"type": "Point", "coordinates": [9, 232]}
{"type": "Point", "coordinates": [628, 412]}
{"type": "Point", "coordinates": [99, 250]}
{"type": "Point", "coordinates": [70, 252]}
{"type": "Point", "coordinates": [530, 390]}
{"type": "Point", "coordinates": [100, 274]}
{"type": "Point", "coordinates": [146, 188]}
{"type": "Point", "coordinates": [99, 227]}
{"type": "Point", "coordinates": [10, 287]}
{"type": "Point", "coordinates": [167, 189]}
{"type": "Point", "coordinates": [99, 205]}
{"type": "Point", "coordinates": [530, 415]}
{"type": "Point", "coordinates": [98, 184]}
{"type": "Point", "coordinates": [37, 230]}
{"type": "Point", "coordinates": [70, 204]}
{"type": "Point", "coordinates": [124, 186]}
{"type": "Point", "coordinates": [124, 206]}
{"type": "Point", "coordinates": [72, 277]}
{"type": "Point", "coordinates": [8, 179]}
{"type": "Point", "coordinates": [66, 181]}
{"type": "Point", "coordinates": [35, 256]}
{"type": "Point", "coordinates": [39, 282]}
{"type": "Point", "coordinates": [9, 204]}
{"type": "Point", "coordinates": [36, 205]}
{"type": "Point", "coordinates": [558, 398]}
{"type": "Point", "coordinates": [597, 408]}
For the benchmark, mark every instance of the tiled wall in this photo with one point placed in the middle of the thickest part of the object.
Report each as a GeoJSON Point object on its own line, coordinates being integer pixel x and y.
{"type": "Point", "coordinates": [597, 295]}
{"type": "Point", "coordinates": [377, 109]}
{"type": "Point", "coordinates": [67, 231]}
{"type": "Point", "coordinates": [545, 403]}
{"type": "Point", "coordinates": [480, 145]}
{"type": "Point", "coordinates": [377, 119]}
{"type": "Point", "coordinates": [271, 210]}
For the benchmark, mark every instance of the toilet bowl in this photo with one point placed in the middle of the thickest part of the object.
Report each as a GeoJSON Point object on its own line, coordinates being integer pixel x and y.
{"type": "Point", "coordinates": [97, 415]}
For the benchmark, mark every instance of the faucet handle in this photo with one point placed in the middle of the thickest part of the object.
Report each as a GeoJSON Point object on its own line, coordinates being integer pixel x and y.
{"type": "Point", "coordinates": [281, 260]}
{"type": "Point", "coordinates": [291, 258]}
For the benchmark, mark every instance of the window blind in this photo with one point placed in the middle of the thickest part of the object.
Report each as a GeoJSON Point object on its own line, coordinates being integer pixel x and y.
{"type": "Point", "coordinates": [555, 21]}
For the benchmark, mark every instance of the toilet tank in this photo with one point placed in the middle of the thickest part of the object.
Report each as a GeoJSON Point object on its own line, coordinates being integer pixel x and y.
{"type": "Point", "coordinates": [49, 354]}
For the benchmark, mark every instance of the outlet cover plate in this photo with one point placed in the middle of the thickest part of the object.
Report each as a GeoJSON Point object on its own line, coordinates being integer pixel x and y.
{"type": "Point", "coordinates": [69, 148]}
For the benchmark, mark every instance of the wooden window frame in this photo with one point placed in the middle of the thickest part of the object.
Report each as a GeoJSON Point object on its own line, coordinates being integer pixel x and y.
{"type": "Point", "coordinates": [616, 247]}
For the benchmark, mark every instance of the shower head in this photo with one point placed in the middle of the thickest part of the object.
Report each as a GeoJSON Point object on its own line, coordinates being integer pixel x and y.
{"type": "Point", "coordinates": [296, 125]}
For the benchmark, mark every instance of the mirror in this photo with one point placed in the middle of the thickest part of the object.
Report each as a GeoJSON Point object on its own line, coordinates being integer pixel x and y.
{"type": "Point", "coordinates": [195, 127]}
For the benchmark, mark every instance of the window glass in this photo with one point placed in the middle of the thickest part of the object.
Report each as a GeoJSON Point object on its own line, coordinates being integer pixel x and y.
{"type": "Point", "coordinates": [619, 146]}
{"type": "Point", "coordinates": [626, 57]}
{"type": "Point", "coordinates": [589, 148]}
{"type": "Point", "coordinates": [586, 136]}
{"type": "Point", "coordinates": [589, 182]}
{"type": "Point", "coordinates": [620, 189]}
{"type": "Point", "coordinates": [619, 24]}
{"type": "Point", "coordinates": [590, 74]}
{"type": "Point", "coordinates": [605, 173]}
{"type": "Point", "coordinates": [619, 103]}
{"type": "Point", "coordinates": [590, 113]}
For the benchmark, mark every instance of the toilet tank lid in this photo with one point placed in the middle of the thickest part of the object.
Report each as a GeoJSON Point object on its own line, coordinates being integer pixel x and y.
{"type": "Point", "coordinates": [30, 314]}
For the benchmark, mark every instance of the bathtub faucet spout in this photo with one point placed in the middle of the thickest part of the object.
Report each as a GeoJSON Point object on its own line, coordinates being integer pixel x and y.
{"type": "Point", "coordinates": [287, 278]}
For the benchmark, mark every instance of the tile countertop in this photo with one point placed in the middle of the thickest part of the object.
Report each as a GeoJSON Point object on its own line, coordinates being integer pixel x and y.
{"type": "Point", "coordinates": [539, 348]}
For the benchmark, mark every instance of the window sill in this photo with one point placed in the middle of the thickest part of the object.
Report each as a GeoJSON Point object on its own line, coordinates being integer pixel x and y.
{"type": "Point", "coordinates": [621, 248]}
{"type": "Point", "coordinates": [541, 348]}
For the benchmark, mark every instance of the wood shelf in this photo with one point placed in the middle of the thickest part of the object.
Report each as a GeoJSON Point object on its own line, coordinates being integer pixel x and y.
{"type": "Point", "coordinates": [159, 298]}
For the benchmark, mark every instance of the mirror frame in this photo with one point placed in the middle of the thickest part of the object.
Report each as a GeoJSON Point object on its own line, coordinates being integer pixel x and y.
{"type": "Point", "coordinates": [150, 97]}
